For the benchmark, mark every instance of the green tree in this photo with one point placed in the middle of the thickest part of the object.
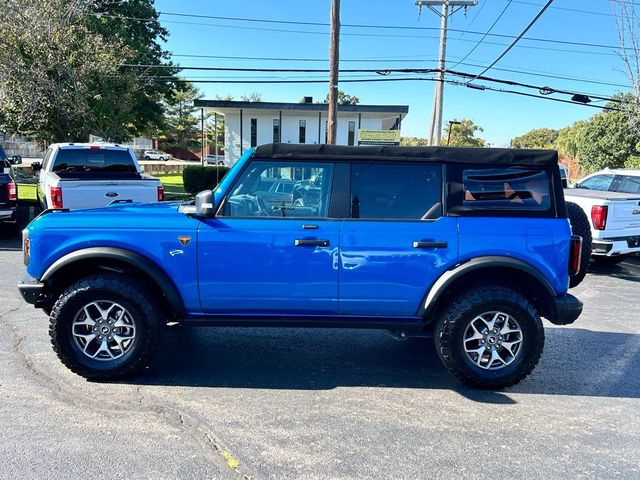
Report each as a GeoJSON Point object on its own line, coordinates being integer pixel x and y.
{"type": "Point", "coordinates": [540, 138]}
{"type": "Point", "coordinates": [252, 97]}
{"type": "Point", "coordinates": [414, 141]}
{"type": "Point", "coordinates": [463, 134]}
{"type": "Point", "coordinates": [344, 99]}
{"type": "Point", "coordinates": [61, 72]}
{"type": "Point", "coordinates": [182, 122]}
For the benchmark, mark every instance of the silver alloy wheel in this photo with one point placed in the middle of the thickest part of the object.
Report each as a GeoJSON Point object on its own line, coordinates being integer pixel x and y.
{"type": "Point", "coordinates": [493, 340]}
{"type": "Point", "coordinates": [104, 330]}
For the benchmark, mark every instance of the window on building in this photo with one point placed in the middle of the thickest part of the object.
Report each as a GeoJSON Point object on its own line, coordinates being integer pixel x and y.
{"type": "Point", "coordinates": [396, 191]}
{"type": "Point", "coordinates": [326, 131]}
{"type": "Point", "coordinates": [254, 132]}
{"type": "Point", "coordinates": [276, 130]}
{"type": "Point", "coordinates": [352, 133]}
{"type": "Point", "coordinates": [302, 131]}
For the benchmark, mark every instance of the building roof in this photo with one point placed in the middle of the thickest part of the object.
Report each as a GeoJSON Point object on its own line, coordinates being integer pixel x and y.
{"type": "Point", "coordinates": [511, 156]}
{"type": "Point", "coordinates": [308, 107]}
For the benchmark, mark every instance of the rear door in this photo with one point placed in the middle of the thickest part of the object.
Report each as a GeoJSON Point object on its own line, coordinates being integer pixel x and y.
{"type": "Point", "coordinates": [396, 242]}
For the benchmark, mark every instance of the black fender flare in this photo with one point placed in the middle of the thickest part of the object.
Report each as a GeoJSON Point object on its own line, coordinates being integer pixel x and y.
{"type": "Point", "coordinates": [450, 276]}
{"type": "Point", "coordinates": [134, 259]}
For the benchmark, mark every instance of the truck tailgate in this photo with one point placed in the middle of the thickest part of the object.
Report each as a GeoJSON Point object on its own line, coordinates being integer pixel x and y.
{"type": "Point", "coordinates": [77, 194]}
{"type": "Point", "coordinates": [624, 214]}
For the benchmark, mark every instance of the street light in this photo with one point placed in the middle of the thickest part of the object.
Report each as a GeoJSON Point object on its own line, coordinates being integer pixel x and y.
{"type": "Point", "coordinates": [451, 124]}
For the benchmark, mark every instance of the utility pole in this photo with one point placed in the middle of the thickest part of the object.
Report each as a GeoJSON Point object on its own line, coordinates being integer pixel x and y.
{"type": "Point", "coordinates": [447, 9]}
{"type": "Point", "coordinates": [334, 63]}
{"type": "Point", "coordinates": [202, 120]}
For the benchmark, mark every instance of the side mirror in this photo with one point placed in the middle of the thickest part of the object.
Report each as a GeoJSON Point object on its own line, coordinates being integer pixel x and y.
{"type": "Point", "coordinates": [205, 204]}
{"type": "Point", "coordinates": [16, 160]}
{"type": "Point", "coordinates": [36, 166]}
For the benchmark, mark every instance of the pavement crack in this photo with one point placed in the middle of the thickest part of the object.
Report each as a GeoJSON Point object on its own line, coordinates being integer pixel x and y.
{"type": "Point", "coordinates": [212, 446]}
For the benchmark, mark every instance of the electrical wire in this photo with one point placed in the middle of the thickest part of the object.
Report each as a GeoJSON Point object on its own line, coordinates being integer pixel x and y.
{"type": "Point", "coordinates": [508, 49]}
{"type": "Point", "coordinates": [485, 35]}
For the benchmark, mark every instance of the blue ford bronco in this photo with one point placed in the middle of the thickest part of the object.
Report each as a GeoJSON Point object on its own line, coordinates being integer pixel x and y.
{"type": "Point", "coordinates": [469, 246]}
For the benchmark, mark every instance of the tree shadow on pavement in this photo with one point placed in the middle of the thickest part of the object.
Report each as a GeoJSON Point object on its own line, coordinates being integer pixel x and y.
{"type": "Point", "coordinates": [576, 362]}
{"type": "Point", "coordinates": [9, 240]}
{"type": "Point", "coordinates": [628, 270]}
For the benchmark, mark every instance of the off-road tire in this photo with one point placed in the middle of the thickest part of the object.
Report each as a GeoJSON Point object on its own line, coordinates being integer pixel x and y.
{"type": "Point", "coordinates": [609, 261]}
{"type": "Point", "coordinates": [133, 295]}
{"type": "Point", "coordinates": [453, 321]}
{"type": "Point", "coordinates": [580, 226]}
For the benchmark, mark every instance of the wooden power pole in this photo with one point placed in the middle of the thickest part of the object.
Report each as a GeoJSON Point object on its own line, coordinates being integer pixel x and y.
{"type": "Point", "coordinates": [334, 65]}
{"type": "Point", "coordinates": [447, 8]}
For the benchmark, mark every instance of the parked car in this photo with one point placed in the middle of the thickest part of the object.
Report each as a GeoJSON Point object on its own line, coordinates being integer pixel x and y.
{"type": "Point", "coordinates": [611, 180]}
{"type": "Point", "coordinates": [8, 190]}
{"type": "Point", "coordinates": [80, 175]}
{"type": "Point", "coordinates": [564, 175]}
{"type": "Point", "coordinates": [156, 155]}
{"type": "Point", "coordinates": [470, 246]}
{"type": "Point", "coordinates": [215, 160]}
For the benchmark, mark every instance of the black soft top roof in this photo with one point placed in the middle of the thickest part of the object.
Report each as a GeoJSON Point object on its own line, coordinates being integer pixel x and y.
{"type": "Point", "coordinates": [508, 156]}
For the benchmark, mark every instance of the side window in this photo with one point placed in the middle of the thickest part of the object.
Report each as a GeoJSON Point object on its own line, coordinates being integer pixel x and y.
{"type": "Point", "coordinates": [396, 191]}
{"type": "Point", "coordinates": [628, 184]}
{"type": "Point", "coordinates": [597, 182]}
{"type": "Point", "coordinates": [302, 190]}
{"type": "Point", "coordinates": [506, 189]}
{"type": "Point", "coordinates": [47, 159]}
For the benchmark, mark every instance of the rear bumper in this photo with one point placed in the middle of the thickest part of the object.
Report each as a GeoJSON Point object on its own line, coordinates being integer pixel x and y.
{"type": "Point", "coordinates": [567, 309]}
{"type": "Point", "coordinates": [616, 245]}
{"type": "Point", "coordinates": [7, 214]}
{"type": "Point", "coordinates": [30, 289]}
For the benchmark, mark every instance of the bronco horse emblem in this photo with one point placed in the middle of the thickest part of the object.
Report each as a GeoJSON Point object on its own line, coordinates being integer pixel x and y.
{"type": "Point", "coordinates": [184, 240]}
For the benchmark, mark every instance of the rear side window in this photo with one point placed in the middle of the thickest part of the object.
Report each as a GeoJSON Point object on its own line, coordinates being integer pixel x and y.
{"type": "Point", "coordinates": [628, 184]}
{"type": "Point", "coordinates": [597, 182]}
{"type": "Point", "coordinates": [506, 189]}
{"type": "Point", "coordinates": [396, 191]}
{"type": "Point", "coordinates": [71, 162]}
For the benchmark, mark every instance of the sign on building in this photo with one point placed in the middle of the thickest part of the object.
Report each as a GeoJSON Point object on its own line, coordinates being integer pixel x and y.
{"type": "Point", "coordinates": [378, 137]}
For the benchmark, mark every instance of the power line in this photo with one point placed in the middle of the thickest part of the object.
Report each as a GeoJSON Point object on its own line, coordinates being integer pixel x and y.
{"type": "Point", "coordinates": [533, 73]}
{"type": "Point", "coordinates": [485, 35]}
{"type": "Point", "coordinates": [531, 23]}
{"type": "Point", "coordinates": [574, 10]}
{"type": "Point", "coordinates": [351, 25]}
{"type": "Point", "coordinates": [451, 82]}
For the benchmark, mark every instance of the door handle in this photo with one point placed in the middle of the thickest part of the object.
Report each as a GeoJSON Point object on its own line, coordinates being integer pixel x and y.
{"type": "Point", "coordinates": [308, 242]}
{"type": "Point", "coordinates": [435, 244]}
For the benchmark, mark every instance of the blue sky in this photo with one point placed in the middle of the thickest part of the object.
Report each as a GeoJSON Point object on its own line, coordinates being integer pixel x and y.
{"type": "Point", "coordinates": [502, 116]}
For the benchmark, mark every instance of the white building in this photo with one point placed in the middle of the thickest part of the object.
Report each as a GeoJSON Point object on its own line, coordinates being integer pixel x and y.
{"type": "Point", "coordinates": [248, 124]}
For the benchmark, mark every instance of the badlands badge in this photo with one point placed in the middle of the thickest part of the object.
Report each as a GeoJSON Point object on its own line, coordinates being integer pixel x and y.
{"type": "Point", "coordinates": [184, 240]}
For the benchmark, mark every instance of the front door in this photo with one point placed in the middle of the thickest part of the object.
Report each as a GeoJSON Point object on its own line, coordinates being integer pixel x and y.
{"type": "Point", "coordinates": [397, 242]}
{"type": "Point", "coordinates": [268, 255]}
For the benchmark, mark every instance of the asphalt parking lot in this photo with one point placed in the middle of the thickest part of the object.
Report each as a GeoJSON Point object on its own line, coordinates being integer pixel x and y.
{"type": "Point", "coordinates": [318, 404]}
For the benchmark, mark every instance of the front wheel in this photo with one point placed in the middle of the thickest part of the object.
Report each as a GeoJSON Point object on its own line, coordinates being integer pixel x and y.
{"type": "Point", "coordinates": [106, 326]}
{"type": "Point", "coordinates": [489, 337]}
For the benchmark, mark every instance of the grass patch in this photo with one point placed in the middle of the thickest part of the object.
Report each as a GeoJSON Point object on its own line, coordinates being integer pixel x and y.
{"type": "Point", "coordinates": [173, 187]}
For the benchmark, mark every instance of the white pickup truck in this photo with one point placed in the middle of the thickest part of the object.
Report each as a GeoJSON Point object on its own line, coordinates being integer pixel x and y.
{"type": "Point", "coordinates": [80, 175]}
{"type": "Point", "coordinates": [615, 222]}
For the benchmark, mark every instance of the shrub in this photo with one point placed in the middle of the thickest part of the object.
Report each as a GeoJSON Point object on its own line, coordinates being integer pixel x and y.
{"type": "Point", "coordinates": [197, 178]}
{"type": "Point", "coordinates": [632, 162]}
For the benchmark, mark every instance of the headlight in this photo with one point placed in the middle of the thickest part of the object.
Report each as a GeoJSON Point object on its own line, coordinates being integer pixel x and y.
{"type": "Point", "coordinates": [26, 247]}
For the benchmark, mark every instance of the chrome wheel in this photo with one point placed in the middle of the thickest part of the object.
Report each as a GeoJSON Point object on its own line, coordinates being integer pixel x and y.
{"type": "Point", "coordinates": [104, 330]}
{"type": "Point", "coordinates": [493, 340]}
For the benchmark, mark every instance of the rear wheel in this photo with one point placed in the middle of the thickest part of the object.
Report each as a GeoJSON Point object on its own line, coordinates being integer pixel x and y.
{"type": "Point", "coordinates": [609, 261]}
{"type": "Point", "coordinates": [146, 157]}
{"type": "Point", "coordinates": [489, 337]}
{"type": "Point", "coordinates": [580, 226]}
{"type": "Point", "coordinates": [106, 326]}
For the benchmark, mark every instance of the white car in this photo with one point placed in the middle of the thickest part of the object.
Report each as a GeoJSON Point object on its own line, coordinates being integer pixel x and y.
{"type": "Point", "coordinates": [156, 155]}
{"type": "Point", "coordinates": [611, 200]}
{"type": "Point", "coordinates": [82, 175]}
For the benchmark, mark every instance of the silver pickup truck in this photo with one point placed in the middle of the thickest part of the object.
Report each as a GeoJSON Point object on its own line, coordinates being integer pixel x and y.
{"type": "Point", "coordinates": [79, 175]}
